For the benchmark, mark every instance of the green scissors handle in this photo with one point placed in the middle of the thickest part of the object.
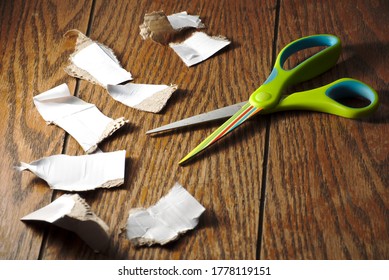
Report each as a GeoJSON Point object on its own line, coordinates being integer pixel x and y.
{"type": "Point", "coordinates": [269, 98]}
{"type": "Point", "coordinates": [325, 99]}
{"type": "Point", "coordinates": [269, 94]}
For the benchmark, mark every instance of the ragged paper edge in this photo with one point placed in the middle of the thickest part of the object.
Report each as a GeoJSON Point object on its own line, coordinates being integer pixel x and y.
{"type": "Point", "coordinates": [82, 41]}
{"type": "Point", "coordinates": [142, 240]}
{"type": "Point", "coordinates": [109, 130]}
{"type": "Point", "coordinates": [80, 219]}
{"type": "Point", "coordinates": [154, 104]}
{"type": "Point", "coordinates": [157, 102]}
{"type": "Point", "coordinates": [157, 27]}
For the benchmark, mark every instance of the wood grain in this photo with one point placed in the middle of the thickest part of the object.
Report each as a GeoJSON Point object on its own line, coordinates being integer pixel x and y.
{"type": "Point", "coordinates": [228, 229]}
{"type": "Point", "coordinates": [327, 185]}
{"type": "Point", "coordinates": [31, 62]}
{"type": "Point", "coordinates": [324, 190]}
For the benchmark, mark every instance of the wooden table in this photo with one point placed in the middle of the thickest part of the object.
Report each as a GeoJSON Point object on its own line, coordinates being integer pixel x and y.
{"type": "Point", "coordinates": [293, 185]}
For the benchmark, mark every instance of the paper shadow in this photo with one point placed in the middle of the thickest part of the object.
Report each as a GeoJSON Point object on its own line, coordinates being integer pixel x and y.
{"type": "Point", "coordinates": [177, 97]}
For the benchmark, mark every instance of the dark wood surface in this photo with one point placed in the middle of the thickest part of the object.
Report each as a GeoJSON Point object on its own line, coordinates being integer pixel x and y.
{"type": "Point", "coordinates": [293, 185]}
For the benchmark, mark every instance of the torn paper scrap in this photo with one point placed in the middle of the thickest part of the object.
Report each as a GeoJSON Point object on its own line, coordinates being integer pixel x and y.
{"type": "Point", "coordinates": [182, 20]}
{"type": "Point", "coordinates": [144, 97]}
{"type": "Point", "coordinates": [95, 62]}
{"type": "Point", "coordinates": [174, 214]}
{"type": "Point", "coordinates": [71, 212]}
{"type": "Point", "coordinates": [161, 28]}
{"type": "Point", "coordinates": [80, 173]}
{"type": "Point", "coordinates": [199, 47]}
{"type": "Point", "coordinates": [80, 119]}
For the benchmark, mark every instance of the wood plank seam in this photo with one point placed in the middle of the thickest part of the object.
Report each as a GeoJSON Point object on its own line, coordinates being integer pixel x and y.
{"type": "Point", "coordinates": [66, 137]}
{"type": "Point", "coordinates": [267, 142]}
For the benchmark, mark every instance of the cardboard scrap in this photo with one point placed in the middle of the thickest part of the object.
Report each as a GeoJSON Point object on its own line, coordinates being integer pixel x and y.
{"type": "Point", "coordinates": [94, 62]}
{"type": "Point", "coordinates": [80, 173]}
{"type": "Point", "coordinates": [72, 213]}
{"type": "Point", "coordinates": [144, 97]}
{"type": "Point", "coordinates": [162, 28]}
{"type": "Point", "coordinates": [174, 214]}
{"type": "Point", "coordinates": [80, 119]}
{"type": "Point", "coordinates": [199, 47]}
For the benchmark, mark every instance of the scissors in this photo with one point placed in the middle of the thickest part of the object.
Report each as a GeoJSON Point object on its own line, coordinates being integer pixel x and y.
{"type": "Point", "coordinates": [269, 98]}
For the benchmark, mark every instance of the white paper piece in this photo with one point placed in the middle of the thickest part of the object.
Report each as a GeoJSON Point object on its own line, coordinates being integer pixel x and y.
{"type": "Point", "coordinates": [80, 119]}
{"type": "Point", "coordinates": [174, 214]}
{"type": "Point", "coordinates": [71, 212]}
{"type": "Point", "coordinates": [198, 47]}
{"type": "Point", "coordinates": [81, 43]}
{"type": "Point", "coordinates": [183, 20]}
{"type": "Point", "coordinates": [80, 173]}
{"type": "Point", "coordinates": [150, 98]}
{"type": "Point", "coordinates": [100, 65]}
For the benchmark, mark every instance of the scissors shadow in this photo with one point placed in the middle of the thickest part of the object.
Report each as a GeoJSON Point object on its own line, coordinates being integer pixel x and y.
{"type": "Point", "coordinates": [177, 97]}
{"type": "Point", "coordinates": [251, 128]}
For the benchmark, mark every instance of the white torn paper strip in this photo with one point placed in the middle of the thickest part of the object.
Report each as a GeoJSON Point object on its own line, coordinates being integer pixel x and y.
{"type": "Point", "coordinates": [174, 214]}
{"type": "Point", "coordinates": [95, 62]}
{"type": "Point", "coordinates": [80, 173]}
{"type": "Point", "coordinates": [71, 212]}
{"type": "Point", "coordinates": [80, 119]}
{"type": "Point", "coordinates": [199, 47]}
{"type": "Point", "coordinates": [144, 97]}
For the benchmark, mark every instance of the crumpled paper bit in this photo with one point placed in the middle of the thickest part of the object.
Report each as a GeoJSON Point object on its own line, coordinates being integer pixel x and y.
{"type": "Point", "coordinates": [172, 215]}
{"type": "Point", "coordinates": [72, 213]}
{"type": "Point", "coordinates": [162, 28]}
{"type": "Point", "coordinates": [80, 173]}
{"type": "Point", "coordinates": [199, 47]}
{"type": "Point", "coordinates": [149, 98]}
{"type": "Point", "coordinates": [94, 62]}
{"type": "Point", "coordinates": [80, 119]}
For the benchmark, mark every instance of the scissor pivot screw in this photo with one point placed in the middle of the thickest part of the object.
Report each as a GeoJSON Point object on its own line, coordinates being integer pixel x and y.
{"type": "Point", "coordinates": [262, 96]}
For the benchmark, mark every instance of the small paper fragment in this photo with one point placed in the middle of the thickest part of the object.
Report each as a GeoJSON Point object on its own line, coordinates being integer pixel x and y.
{"type": "Point", "coordinates": [72, 213]}
{"type": "Point", "coordinates": [172, 215]}
{"type": "Point", "coordinates": [95, 62]}
{"type": "Point", "coordinates": [80, 173]}
{"type": "Point", "coordinates": [162, 28]}
{"type": "Point", "coordinates": [80, 119]}
{"type": "Point", "coordinates": [182, 20]}
{"type": "Point", "coordinates": [144, 97]}
{"type": "Point", "coordinates": [199, 47]}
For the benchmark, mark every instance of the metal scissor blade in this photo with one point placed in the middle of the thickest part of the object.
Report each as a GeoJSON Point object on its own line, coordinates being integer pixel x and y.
{"type": "Point", "coordinates": [217, 114]}
{"type": "Point", "coordinates": [236, 120]}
